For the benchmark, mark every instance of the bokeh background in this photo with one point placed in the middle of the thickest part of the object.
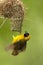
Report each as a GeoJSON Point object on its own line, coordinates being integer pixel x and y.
{"type": "Point", "coordinates": [33, 23]}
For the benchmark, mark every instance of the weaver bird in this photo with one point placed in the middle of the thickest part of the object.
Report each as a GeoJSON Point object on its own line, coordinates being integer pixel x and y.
{"type": "Point", "coordinates": [19, 43]}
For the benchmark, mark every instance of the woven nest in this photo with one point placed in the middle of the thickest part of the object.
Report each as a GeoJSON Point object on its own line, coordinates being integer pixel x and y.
{"type": "Point", "coordinates": [14, 10]}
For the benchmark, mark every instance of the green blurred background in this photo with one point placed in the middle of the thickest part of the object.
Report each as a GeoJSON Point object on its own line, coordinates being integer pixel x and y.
{"type": "Point", "coordinates": [33, 23]}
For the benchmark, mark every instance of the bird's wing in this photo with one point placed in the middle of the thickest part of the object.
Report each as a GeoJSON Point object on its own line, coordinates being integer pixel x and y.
{"type": "Point", "coordinates": [11, 46]}
{"type": "Point", "coordinates": [24, 45]}
{"type": "Point", "coordinates": [21, 45]}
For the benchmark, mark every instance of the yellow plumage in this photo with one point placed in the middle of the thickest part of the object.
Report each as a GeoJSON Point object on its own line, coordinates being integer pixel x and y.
{"type": "Point", "coordinates": [18, 38]}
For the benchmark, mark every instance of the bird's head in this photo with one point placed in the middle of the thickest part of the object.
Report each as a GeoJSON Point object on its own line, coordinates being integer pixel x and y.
{"type": "Point", "coordinates": [26, 36]}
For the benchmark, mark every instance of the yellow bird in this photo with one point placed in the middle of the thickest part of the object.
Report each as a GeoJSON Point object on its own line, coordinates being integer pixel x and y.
{"type": "Point", "coordinates": [19, 43]}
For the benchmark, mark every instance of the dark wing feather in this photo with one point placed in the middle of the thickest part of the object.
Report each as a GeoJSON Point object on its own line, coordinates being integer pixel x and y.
{"type": "Point", "coordinates": [20, 45]}
{"type": "Point", "coordinates": [24, 46]}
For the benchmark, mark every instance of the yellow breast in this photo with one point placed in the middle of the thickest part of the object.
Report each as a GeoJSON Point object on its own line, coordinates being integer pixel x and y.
{"type": "Point", "coordinates": [18, 38]}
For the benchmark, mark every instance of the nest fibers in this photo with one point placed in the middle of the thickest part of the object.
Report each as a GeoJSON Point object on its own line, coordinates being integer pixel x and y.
{"type": "Point", "coordinates": [14, 10]}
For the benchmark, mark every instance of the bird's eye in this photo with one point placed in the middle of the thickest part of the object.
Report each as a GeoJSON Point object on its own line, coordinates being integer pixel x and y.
{"type": "Point", "coordinates": [26, 34]}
